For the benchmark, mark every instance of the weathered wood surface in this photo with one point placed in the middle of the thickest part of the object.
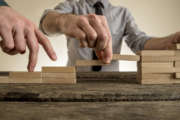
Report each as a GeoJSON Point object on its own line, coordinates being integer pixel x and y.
{"type": "Point", "coordinates": [90, 111]}
{"type": "Point", "coordinates": [91, 87]}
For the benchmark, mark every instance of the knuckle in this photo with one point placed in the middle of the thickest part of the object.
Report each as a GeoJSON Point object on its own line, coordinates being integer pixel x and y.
{"type": "Point", "coordinates": [93, 16]}
{"type": "Point", "coordinates": [9, 46]}
{"type": "Point", "coordinates": [29, 26]}
{"type": "Point", "coordinates": [36, 48]}
{"type": "Point", "coordinates": [19, 23]}
{"type": "Point", "coordinates": [104, 37]}
{"type": "Point", "coordinates": [82, 36]}
{"type": "Point", "coordinates": [93, 36]}
{"type": "Point", "coordinates": [82, 19]}
{"type": "Point", "coordinates": [5, 27]}
{"type": "Point", "coordinates": [20, 48]}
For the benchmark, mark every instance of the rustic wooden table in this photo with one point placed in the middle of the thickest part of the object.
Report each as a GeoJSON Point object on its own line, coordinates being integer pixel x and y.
{"type": "Point", "coordinates": [97, 96]}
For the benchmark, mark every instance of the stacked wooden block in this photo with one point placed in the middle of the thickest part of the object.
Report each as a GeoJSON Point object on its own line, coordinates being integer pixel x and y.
{"type": "Point", "coordinates": [156, 67]}
{"type": "Point", "coordinates": [177, 62]}
{"type": "Point", "coordinates": [50, 75]}
{"type": "Point", "coordinates": [59, 75]}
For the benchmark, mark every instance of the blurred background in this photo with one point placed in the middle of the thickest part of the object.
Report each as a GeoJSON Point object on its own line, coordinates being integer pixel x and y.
{"type": "Point", "coordinates": [155, 17]}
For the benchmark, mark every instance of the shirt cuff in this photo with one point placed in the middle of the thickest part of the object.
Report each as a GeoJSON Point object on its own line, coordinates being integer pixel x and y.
{"type": "Point", "coordinates": [3, 3]}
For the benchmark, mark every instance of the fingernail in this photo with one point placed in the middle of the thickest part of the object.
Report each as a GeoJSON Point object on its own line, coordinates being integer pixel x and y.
{"type": "Point", "coordinates": [54, 57]}
{"type": "Point", "coordinates": [107, 60]}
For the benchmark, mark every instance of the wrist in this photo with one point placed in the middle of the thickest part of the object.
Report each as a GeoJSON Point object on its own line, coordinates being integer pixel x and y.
{"type": "Point", "coordinates": [62, 22]}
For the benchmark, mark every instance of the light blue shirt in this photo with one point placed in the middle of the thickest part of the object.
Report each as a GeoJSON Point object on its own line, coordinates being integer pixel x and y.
{"type": "Point", "coordinates": [121, 23]}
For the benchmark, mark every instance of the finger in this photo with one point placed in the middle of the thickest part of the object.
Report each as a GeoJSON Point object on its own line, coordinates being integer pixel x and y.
{"type": "Point", "coordinates": [83, 44]}
{"type": "Point", "coordinates": [177, 37]}
{"type": "Point", "coordinates": [34, 49]}
{"type": "Point", "coordinates": [102, 37]}
{"type": "Point", "coordinates": [80, 35]}
{"type": "Point", "coordinates": [46, 44]}
{"type": "Point", "coordinates": [7, 39]}
{"type": "Point", "coordinates": [99, 54]}
{"type": "Point", "coordinates": [19, 40]}
{"type": "Point", "coordinates": [108, 53]}
{"type": "Point", "coordinates": [91, 34]}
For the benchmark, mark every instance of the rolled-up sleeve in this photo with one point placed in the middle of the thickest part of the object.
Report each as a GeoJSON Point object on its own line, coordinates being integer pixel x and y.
{"type": "Point", "coordinates": [63, 8]}
{"type": "Point", "coordinates": [3, 3]}
{"type": "Point", "coordinates": [134, 37]}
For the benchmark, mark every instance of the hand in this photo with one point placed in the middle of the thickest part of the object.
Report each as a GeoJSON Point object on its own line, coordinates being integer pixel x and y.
{"type": "Point", "coordinates": [92, 31]}
{"type": "Point", "coordinates": [165, 43]}
{"type": "Point", "coordinates": [172, 40]}
{"type": "Point", "coordinates": [17, 32]}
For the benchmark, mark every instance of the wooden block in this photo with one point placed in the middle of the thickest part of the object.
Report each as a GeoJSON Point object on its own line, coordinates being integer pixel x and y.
{"type": "Point", "coordinates": [115, 57]}
{"type": "Point", "coordinates": [157, 79]}
{"type": "Point", "coordinates": [176, 81]}
{"type": "Point", "coordinates": [4, 79]}
{"type": "Point", "coordinates": [177, 70]}
{"type": "Point", "coordinates": [177, 75]}
{"type": "Point", "coordinates": [89, 63]}
{"type": "Point", "coordinates": [126, 57]}
{"type": "Point", "coordinates": [158, 65]}
{"type": "Point", "coordinates": [157, 76]}
{"type": "Point", "coordinates": [25, 80]}
{"type": "Point", "coordinates": [158, 58]}
{"type": "Point", "coordinates": [139, 72]}
{"type": "Point", "coordinates": [177, 64]}
{"type": "Point", "coordinates": [59, 81]}
{"type": "Point", "coordinates": [58, 69]}
{"type": "Point", "coordinates": [59, 75]}
{"type": "Point", "coordinates": [158, 70]}
{"type": "Point", "coordinates": [25, 75]}
{"type": "Point", "coordinates": [178, 46]}
{"type": "Point", "coordinates": [157, 53]}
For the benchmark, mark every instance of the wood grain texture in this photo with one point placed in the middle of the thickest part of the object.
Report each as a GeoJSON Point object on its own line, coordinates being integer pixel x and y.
{"type": "Point", "coordinates": [177, 64]}
{"type": "Point", "coordinates": [4, 80]}
{"type": "Point", "coordinates": [59, 80]}
{"type": "Point", "coordinates": [25, 80]}
{"type": "Point", "coordinates": [158, 59]}
{"type": "Point", "coordinates": [155, 76]}
{"type": "Point", "coordinates": [58, 69]}
{"type": "Point", "coordinates": [158, 65]}
{"type": "Point", "coordinates": [126, 57]}
{"type": "Point", "coordinates": [177, 75]}
{"type": "Point", "coordinates": [158, 79]}
{"type": "Point", "coordinates": [90, 63]}
{"type": "Point", "coordinates": [158, 70]}
{"type": "Point", "coordinates": [157, 53]}
{"type": "Point", "coordinates": [115, 57]}
{"type": "Point", "coordinates": [178, 46]}
{"type": "Point", "coordinates": [168, 110]}
{"type": "Point", "coordinates": [25, 74]}
{"type": "Point", "coordinates": [91, 88]}
{"type": "Point", "coordinates": [59, 75]}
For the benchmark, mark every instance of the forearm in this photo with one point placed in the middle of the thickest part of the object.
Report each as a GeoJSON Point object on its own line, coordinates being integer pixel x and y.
{"type": "Point", "coordinates": [54, 23]}
{"type": "Point", "coordinates": [163, 43]}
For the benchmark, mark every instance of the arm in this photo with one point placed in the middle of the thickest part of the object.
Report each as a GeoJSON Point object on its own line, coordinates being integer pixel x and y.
{"type": "Point", "coordinates": [138, 40]}
{"type": "Point", "coordinates": [17, 33]}
{"type": "Point", "coordinates": [91, 30]}
{"type": "Point", "coordinates": [163, 43]}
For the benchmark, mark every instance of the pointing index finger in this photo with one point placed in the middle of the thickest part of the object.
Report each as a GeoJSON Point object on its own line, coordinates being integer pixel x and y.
{"type": "Point", "coordinates": [46, 45]}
